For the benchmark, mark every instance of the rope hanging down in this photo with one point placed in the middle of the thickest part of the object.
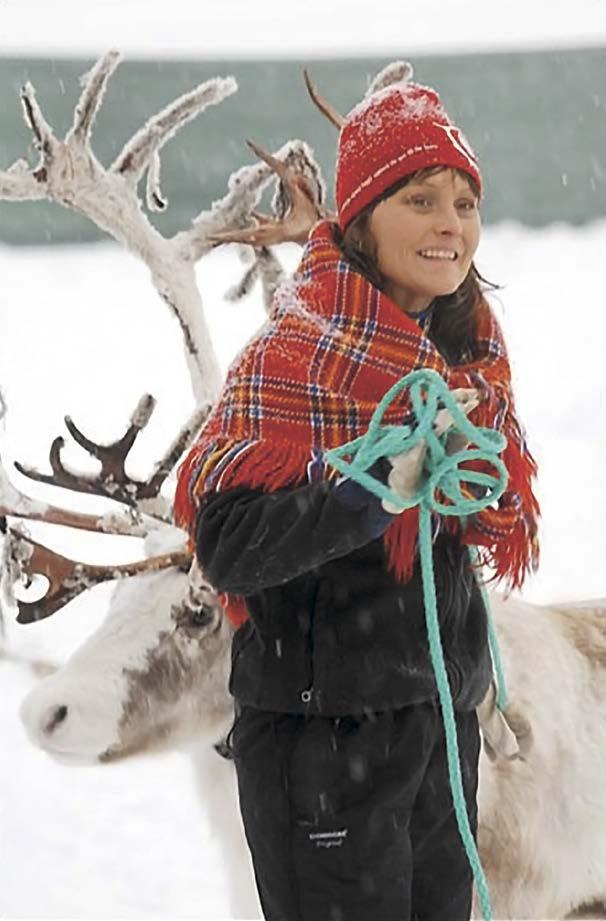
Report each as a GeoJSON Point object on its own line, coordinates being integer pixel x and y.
{"type": "Point", "coordinates": [427, 389]}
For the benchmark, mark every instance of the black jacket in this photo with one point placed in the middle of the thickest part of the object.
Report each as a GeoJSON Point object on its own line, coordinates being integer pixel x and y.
{"type": "Point", "coordinates": [331, 630]}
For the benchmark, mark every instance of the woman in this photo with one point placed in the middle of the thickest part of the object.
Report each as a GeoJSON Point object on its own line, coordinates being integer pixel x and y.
{"type": "Point", "coordinates": [338, 742]}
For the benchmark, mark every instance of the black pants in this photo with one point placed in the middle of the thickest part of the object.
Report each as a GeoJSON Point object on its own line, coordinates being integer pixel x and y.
{"type": "Point", "coordinates": [352, 819]}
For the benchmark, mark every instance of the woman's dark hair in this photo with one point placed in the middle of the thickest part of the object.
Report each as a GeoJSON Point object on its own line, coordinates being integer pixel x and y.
{"type": "Point", "coordinates": [453, 319]}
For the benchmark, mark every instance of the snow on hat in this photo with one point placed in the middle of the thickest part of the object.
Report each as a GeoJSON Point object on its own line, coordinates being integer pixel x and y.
{"type": "Point", "coordinates": [394, 131]}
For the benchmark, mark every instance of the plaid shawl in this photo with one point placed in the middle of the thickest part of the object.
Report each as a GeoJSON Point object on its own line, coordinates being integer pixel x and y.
{"type": "Point", "coordinates": [310, 380]}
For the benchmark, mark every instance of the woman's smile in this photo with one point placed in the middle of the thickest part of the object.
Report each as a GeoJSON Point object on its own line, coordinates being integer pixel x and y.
{"type": "Point", "coordinates": [441, 255]}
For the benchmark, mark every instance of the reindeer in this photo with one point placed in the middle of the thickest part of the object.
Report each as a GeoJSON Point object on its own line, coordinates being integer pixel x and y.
{"type": "Point", "coordinates": [154, 676]}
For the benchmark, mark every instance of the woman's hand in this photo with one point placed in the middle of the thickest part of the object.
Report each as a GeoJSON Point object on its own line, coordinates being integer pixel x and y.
{"type": "Point", "coordinates": [506, 734]}
{"type": "Point", "coordinates": [406, 473]}
{"type": "Point", "coordinates": [467, 398]}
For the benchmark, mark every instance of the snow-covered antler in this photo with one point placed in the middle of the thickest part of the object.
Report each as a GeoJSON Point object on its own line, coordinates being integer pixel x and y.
{"type": "Point", "coordinates": [67, 578]}
{"type": "Point", "coordinates": [14, 503]}
{"type": "Point", "coordinates": [305, 206]}
{"type": "Point", "coordinates": [301, 193]}
{"type": "Point", "coordinates": [69, 173]}
{"type": "Point", "coordinates": [300, 188]}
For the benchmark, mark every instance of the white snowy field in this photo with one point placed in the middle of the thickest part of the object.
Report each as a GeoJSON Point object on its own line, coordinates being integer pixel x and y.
{"type": "Point", "coordinates": [341, 28]}
{"type": "Point", "coordinates": [83, 332]}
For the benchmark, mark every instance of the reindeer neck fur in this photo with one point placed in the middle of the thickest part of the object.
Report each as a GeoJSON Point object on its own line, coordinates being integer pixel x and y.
{"type": "Point", "coordinates": [553, 804]}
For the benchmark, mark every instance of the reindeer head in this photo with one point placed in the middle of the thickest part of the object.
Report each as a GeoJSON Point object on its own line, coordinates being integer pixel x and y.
{"type": "Point", "coordinates": [152, 677]}
{"type": "Point", "coordinates": [155, 673]}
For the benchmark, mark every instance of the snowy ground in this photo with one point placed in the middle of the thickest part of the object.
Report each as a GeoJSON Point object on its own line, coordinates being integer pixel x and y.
{"type": "Point", "coordinates": [83, 332]}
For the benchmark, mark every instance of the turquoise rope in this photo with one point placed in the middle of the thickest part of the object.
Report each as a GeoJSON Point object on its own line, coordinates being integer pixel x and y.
{"type": "Point", "coordinates": [442, 472]}
{"type": "Point", "coordinates": [492, 641]}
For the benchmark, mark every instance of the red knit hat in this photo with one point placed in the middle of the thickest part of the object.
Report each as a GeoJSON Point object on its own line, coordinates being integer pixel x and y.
{"type": "Point", "coordinates": [393, 132]}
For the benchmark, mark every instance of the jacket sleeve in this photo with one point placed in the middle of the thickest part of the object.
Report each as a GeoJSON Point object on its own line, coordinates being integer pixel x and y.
{"type": "Point", "coordinates": [247, 539]}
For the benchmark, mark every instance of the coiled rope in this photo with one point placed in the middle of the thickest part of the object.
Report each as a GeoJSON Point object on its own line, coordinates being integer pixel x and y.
{"type": "Point", "coordinates": [427, 390]}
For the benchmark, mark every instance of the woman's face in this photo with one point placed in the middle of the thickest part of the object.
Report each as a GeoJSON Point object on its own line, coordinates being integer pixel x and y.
{"type": "Point", "coordinates": [426, 235]}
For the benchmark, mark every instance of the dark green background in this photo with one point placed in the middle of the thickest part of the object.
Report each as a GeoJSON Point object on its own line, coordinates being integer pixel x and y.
{"type": "Point", "coordinates": [537, 121]}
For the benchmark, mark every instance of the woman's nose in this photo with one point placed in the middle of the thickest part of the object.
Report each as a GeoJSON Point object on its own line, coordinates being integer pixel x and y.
{"type": "Point", "coordinates": [448, 221]}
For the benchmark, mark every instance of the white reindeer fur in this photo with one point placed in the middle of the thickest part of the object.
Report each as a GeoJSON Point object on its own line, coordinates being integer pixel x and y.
{"type": "Point", "coordinates": [542, 821]}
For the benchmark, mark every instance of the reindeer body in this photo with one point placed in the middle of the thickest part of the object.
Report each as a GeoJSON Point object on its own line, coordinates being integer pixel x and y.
{"type": "Point", "coordinates": [541, 821]}
{"type": "Point", "coordinates": [144, 682]}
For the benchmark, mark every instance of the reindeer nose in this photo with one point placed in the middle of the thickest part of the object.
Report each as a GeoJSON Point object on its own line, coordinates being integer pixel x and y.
{"type": "Point", "coordinates": [53, 717]}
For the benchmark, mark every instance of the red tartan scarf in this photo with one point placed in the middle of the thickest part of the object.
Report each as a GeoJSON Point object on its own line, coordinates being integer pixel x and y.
{"type": "Point", "coordinates": [310, 380]}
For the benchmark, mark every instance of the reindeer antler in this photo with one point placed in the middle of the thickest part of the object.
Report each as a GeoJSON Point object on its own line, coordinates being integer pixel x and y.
{"type": "Point", "coordinates": [112, 481]}
{"type": "Point", "coordinates": [69, 173]}
{"type": "Point", "coordinates": [69, 578]}
{"type": "Point", "coordinates": [23, 557]}
{"type": "Point", "coordinates": [304, 195]}
{"type": "Point", "coordinates": [323, 105]}
{"type": "Point", "coordinates": [305, 202]}
{"type": "Point", "coordinates": [16, 504]}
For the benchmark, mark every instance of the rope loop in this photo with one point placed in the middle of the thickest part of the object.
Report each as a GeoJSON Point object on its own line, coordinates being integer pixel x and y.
{"type": "Point", "coordinates": [444, 473]}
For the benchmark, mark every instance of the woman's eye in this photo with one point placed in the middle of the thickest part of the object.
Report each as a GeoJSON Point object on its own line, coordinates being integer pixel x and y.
{"type": "Point", "coordinates": [420, 201]}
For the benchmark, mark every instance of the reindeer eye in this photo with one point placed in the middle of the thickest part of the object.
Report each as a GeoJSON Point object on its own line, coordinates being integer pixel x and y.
{"type": "Point", "coordinates": [201, 617]}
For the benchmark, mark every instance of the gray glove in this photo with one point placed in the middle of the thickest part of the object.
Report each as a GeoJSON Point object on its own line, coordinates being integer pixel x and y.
{"type": "Point", "coordinates": [505, 734]}
{"type": "Point", "coordinates": [405, 476]}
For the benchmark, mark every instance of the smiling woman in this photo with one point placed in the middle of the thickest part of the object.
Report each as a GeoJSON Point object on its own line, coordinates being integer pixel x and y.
{"type": "Point", "coordinates": [339, 744]}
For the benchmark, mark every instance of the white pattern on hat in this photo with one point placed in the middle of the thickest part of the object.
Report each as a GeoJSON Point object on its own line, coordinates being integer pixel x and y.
{"type": "Point", "coordinates": [418, 148]}
{"type": "Point", "coordinates": [460, 142]}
